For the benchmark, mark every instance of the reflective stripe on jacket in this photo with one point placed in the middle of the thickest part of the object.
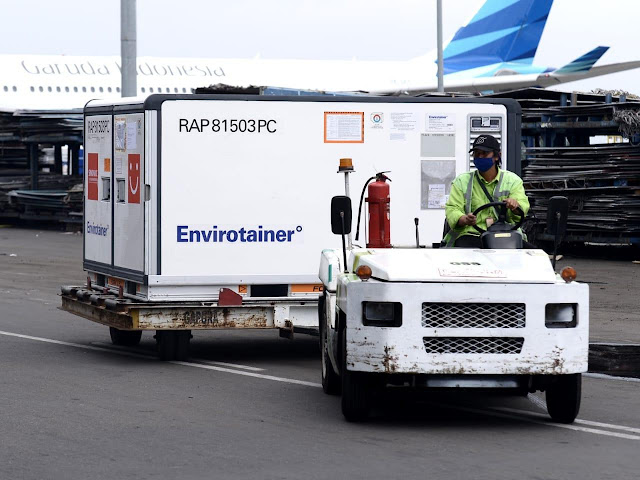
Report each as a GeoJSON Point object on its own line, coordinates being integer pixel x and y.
{"type": "Point", "coordinates": [467, 195]}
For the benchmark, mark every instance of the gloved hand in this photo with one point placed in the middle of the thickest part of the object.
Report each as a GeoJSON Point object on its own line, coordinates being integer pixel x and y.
{"type": "Point", "coordinates": [468, 219]}
{"type": "Point", "coordinates": [512, 203]}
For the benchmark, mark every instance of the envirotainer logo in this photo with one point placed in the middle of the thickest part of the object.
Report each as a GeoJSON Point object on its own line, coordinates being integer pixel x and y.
{"type": "Point", "coordinates": [257, 234]}
{"type": "Point", "coordinates": [95, 229]}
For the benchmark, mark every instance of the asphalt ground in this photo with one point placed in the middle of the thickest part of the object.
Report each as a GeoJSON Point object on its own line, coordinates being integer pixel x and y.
{"type": "Point", "coordinates": [248, 404]}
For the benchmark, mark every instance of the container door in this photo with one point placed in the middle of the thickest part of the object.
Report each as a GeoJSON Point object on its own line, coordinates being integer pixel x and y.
{"type": "Point", "coordinates": [129, 193]}
{"type": "Point", "coordinates": [97, 226]}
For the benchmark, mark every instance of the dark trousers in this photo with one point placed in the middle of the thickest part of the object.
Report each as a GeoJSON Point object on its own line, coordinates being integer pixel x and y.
{"type": "Point", "coordinates": [473, 241]}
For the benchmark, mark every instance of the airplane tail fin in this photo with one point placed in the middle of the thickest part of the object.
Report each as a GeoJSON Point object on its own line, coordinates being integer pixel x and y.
{"type": "Point", "coordinates": [583, 63]}
{"type": "Point", "coordinates": [501, 31]}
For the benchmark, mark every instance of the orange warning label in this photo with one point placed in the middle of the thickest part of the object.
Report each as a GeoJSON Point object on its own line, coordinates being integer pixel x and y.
{"type": "Point", "coordinates": [115, 282]}
{"type": "Point", "coordinates": [343, 127]}
{"type": "Point", "coordinates": [306, 288]}
{"type": "Point", "coordinates": [107, 164]}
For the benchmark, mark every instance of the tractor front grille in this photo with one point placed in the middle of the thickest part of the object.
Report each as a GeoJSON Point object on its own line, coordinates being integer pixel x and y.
{"type": "Point", "coordinates": [473, 315]}
{"type": "Point", "coordinates": [474, 345]}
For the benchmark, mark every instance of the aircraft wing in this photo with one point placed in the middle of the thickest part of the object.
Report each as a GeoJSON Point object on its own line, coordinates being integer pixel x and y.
{"type": "Point", "coordinates": [516, 81]}
{"type": "Point", "coordinates": [601, 70]}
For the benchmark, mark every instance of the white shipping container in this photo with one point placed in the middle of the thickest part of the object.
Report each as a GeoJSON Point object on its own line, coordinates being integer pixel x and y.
{"type": "Point", "coordinates": [187, 194]}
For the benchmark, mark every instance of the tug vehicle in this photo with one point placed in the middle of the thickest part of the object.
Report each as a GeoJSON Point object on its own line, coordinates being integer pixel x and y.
{"type": "Point", "coordinates": [496, 317]}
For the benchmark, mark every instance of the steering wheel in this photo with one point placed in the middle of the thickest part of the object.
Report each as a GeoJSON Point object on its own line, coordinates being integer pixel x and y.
{"type": "Point", "coordinates": [502, 215]}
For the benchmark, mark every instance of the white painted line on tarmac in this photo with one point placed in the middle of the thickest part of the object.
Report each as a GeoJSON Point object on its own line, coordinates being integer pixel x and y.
{"type": "Point", "coordinates": [578, 420]}
{"type": "Point", "coordinates": [225, 364]}
{"type": "Point", "coordinates": [248, 374]}
{"type": "Point", "coordinates": [122, 348]}
{"type": "Point", "coordinates": [608, 425]}
{"type": "Point", "coordinates": [543, 419]}
{"type": "Point", "coordinates": [526, 418]}
{"type": "Point", "coordinates": [198, 360]}
{"type": "Point", "coordinates": [76, 345]}
{"type": "Point", "coordinates": [175, 362]}
{"type": "Point", "coordinates": [611, 377]}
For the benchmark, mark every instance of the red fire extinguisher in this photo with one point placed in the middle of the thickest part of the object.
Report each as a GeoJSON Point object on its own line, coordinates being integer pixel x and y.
{"type": "Point", "coordinates": [379, 212]}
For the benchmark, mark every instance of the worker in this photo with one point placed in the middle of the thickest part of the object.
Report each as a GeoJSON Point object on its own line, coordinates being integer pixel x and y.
{"type": "Point", "coordinates": [467, 194]}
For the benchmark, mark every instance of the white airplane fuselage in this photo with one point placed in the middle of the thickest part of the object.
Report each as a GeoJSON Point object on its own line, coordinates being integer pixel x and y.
{"type": "Point", "coordinates": [58, 81]}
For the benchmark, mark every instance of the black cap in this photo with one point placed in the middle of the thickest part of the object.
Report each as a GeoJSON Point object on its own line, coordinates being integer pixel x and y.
{"type": "Point", "coordinates": [488, 143]}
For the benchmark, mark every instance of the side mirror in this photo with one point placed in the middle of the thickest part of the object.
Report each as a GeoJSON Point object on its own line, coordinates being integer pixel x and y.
{"type": "Point", "coordinates": [341, 224]}
{"type": "Point", "coordinates": [557, 213]}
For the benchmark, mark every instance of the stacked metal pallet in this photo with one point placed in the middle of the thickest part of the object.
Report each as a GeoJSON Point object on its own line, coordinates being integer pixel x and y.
{"type": "Point", "coordinates": [602, 184]}
{"type": "Point", "coordinates": [31, 184]}
{"type": "Point", "coordinates": [59, 198]}
{"type": "Point", "coordinates": [47, 126]}
{"type": "Point", "coordinates": [602, 181]}
{"type": "Point", "coordinates": [13, 153]}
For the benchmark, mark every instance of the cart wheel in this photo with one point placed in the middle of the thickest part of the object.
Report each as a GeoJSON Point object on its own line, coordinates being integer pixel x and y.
{"type": "Point", "coordinates": [330, 380]}
{"type": "Point", "coordinates": [125, 337]}
{"type": "Point", "coordinates": [173, 344]}
{"type": "Point", "coordinates": [563, 397]}
{"type": "Point", "coordinates": [355, 390]}
{"type": "Point", "coordinates": [183, 338]}
{"type": "Point", "coordinates": [166, 340]}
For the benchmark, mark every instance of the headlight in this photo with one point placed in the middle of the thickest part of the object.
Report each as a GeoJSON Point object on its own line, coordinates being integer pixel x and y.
{"type": "Point", "coordinates": [560, 315]}
{"type": "Point", "coordinates": [382, 314]}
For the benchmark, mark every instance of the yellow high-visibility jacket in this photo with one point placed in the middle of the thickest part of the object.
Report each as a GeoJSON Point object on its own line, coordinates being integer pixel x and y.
{"type": "Point", "coordinates": [466, 195]}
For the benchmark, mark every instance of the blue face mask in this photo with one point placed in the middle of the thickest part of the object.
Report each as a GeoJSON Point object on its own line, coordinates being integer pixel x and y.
{"type": "Point", "coordinates": [483, 164]}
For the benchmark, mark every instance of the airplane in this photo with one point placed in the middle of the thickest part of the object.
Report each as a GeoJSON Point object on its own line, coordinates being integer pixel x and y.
{"type": "Point", "coordinates": [493, 52]}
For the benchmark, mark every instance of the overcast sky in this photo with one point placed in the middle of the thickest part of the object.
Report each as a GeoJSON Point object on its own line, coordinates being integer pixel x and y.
{"type": "Point", "coordinates": [322, 29]}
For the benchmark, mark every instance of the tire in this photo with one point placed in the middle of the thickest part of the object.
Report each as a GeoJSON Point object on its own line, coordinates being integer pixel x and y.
{"type": "Point", "coordinates": [183, 338]}
{"type": "Point", "coordinates": [129, 338]}
{"type": "Point", "coordinates": [173, 344]}
{"type": "Point", "coordinates": [330, 379]}
{"type": "Point", "coordinates": [563, 397]}
{"type": "Point", "coordinates": [321, 316]}
{"type": "Point", "coordinates": [166, 340]}
{"type": "Point", "coordinates": [355, 390]}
